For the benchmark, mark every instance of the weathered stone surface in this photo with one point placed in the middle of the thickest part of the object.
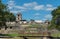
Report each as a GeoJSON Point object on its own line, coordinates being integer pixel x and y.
{"type": "Point", "coordinates": [13, 38]}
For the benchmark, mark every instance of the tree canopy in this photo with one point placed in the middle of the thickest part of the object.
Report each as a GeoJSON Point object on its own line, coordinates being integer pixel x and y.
{"type": "Point", "coordinates": [56, 18]}
{"type": "Point", "coordinates": [5, 15]}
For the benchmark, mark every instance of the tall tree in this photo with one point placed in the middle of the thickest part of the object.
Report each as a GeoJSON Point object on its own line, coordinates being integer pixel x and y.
{"type": "Point", "coordinates": [5, 15]}
{"type": "Point", "coordinates": [56, 18]}
{"type": "Point", "coordinates": [2, 8]}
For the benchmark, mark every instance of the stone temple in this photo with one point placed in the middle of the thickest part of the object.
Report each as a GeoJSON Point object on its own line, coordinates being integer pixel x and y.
{"type": "Point", "coordinates": [23, 26]}
{"type": "Point", "coordinates": [19, 23]}
{"type": "Point", "coordinates": [19, 17]}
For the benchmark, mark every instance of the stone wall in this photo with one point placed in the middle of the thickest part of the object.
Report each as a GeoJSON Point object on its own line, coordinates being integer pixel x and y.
{"type": "Point", "coordinates": [9, 31]}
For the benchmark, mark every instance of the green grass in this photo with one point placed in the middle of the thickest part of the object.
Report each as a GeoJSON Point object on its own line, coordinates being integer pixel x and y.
{"type": "Point", "coordinates": [55, 35]}
{"type": "Point", "coordinates": [35, 25]}
{"type": "Point", "coordinates": [9, 34]}
{"type": "Point", "coordinates": [13, 35]}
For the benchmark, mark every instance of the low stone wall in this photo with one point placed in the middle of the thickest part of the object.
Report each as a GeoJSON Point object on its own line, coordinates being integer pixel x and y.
{"type": "Point", "coordinates": [8, 31]}
{"type": "Point", "coordinates": [32, 38]}
{"type": "Point", "coordinates": [12, 38]}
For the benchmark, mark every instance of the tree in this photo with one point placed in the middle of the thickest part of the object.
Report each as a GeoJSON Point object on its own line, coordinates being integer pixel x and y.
{"type": "Point", "coordinates": [9, 16]}
{"type": "Point", "coordinates": [2, 8]}
{"type": "Point", "coordinates": [56, 18]}
{"type": "Point", "coordinates": [5, 15]}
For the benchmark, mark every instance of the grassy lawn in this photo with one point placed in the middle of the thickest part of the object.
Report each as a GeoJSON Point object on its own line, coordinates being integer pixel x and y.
{"type": "Point", "coordinates": [14, 35]}
{"type": "Point", "coordinates": [55, 35]}
{"type": "Point", "coordinates": [24, 35]}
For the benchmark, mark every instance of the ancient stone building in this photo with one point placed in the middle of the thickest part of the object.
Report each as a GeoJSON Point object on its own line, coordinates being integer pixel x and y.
{"type": "Point", "coordinates": [19, 17]}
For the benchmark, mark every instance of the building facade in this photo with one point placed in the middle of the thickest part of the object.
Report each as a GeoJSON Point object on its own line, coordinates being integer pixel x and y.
{"type": "Point", "coordinates": [19, 17]}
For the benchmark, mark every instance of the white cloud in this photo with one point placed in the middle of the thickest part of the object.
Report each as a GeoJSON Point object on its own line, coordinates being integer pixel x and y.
{"type": "Point", "coordinates": [44, 19]}
{"type": "Point", "coordinates": [16, 11]}
{"type": "Point", "coordinates": [15, 8]}
{"type": "Point", "coordinates": [33, 6]}
{"type": "Point", "coordinates": [38, 21]}
{"type": "Point", "coordinates": [37, 17]}
{"type": "Point", "coordinates": [11, 4]}
{"type": "Point", "coordinates": [29, 6]}
{"type": "Point", "coordinates": [49, 16]}
{"type": "Point", "coordinates": [49, 5]}
{"type": "Point", "coordinates": [50, 9]}
{"type": "Point", "coordinates": [39, 7]}
{"type": "Point", "coordinates": [20, 7]}
{"type": "Point", "coordinates": [37, 14]}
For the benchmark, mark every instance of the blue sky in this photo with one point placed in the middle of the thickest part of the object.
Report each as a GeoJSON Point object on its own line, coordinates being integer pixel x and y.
{"type": "Point", "coordinates": [33, 9]}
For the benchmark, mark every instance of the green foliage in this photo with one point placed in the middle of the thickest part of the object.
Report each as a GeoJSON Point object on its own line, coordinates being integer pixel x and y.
{"type": "Point", "coordinates": [9, 16]}
{"type": "Point", "coordinates": [15, 34]}
{"type": "Point", "coordinates": [56, 18]}
{"type": "Point", "coordinates": [56, 12]}
{"type": "Point", "coordinates": [5, 15]}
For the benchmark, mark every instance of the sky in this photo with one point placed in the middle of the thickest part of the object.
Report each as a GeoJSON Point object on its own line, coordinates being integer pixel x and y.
{"type": "Point", "coordinates": [33, 9]}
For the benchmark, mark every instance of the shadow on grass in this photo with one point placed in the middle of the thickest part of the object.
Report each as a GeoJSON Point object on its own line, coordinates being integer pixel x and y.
{"type": "Point", "coordinates": [31, 36]}
{"type": "Point", "coordinates": [55, 37]}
